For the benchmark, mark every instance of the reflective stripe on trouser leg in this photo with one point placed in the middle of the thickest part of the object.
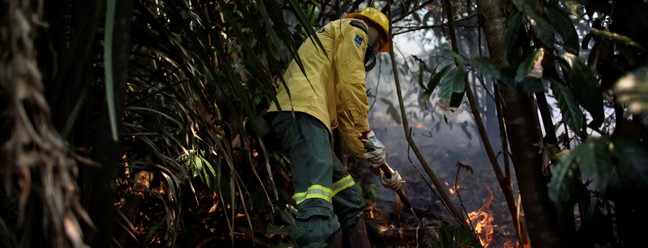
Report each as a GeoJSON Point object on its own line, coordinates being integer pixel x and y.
{"type": "Point", "coordinates": [348, 202]}
{"type": "Point", "coordinates": [307, 142]}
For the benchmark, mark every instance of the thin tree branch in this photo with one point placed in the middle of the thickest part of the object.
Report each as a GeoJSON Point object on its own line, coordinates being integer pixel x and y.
{"type": "Point", "coordinates": [504, 182]}
{"type": "Point", "coordinates": [437, 183]}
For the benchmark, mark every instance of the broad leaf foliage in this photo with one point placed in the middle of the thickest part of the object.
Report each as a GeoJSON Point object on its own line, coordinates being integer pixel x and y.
{"type": "Point", "coordinates": [128, 123]}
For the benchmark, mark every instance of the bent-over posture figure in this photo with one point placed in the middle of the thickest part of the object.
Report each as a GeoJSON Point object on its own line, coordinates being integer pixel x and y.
{"type": "Point", "coordinates": [329, 94]}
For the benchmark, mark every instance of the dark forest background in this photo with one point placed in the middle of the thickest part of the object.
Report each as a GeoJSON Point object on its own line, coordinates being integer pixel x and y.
{"type": "Point", "coordinates": [127, 123]}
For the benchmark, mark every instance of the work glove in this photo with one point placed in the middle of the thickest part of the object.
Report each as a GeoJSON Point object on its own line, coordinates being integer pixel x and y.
{"type": "Point", "coordinates": [394, 182]}
{"type": "Point", "coordinates": [374, 149]}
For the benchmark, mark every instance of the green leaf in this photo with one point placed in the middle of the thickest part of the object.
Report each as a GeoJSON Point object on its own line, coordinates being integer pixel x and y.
{"type": "Point", "coordinates": [595, 162]}
{"type": "Point", "coordinates": [108, 67]}
{"type": "Point", "coordinates": [166, 116]}
{"type": "Point", "coordinates": [513, 27]}
{"type": "Point", "coordinates": [453, 82]}
{"type": "Point", "coordinates": [434, 81]}
{"type": "Point", "coordinates": [197, 165]}
{"type": "Point", "coordinates": [485, 67]}
{"type": "Point", "coordinates": [543, 31]}
{"type": "Point", "coordinates": [392, 110]}
{"type": "Point", "coordinates": [208, 165]}
{"type": "Point", "coordinates": [459, 59]}
{"type": "Point", "coordinates": [456, 99]}
{"type": "Point", "coordinates": [534, 60]}
{"type": "Point", "coordinates": [268, 27]}
{"type": "Point", "coordinates": [305, 22]}
{"type": "Point", "coordinates": [420, 76]}
{"type": "Point", "coordinates": [540, 27]}
{"type": "Point", "coordinates": [585, 87]}
{"type": "Point", "coordinates": [571, 112]}
{"type": "Point", "coordinates": [454, 236]}
{"type": "Point", "coordinates": [618, 38]}
{"type": "Point", "coordinates": [563, 176]}
{"type": "Point", "coordinates": [564, 27]}
{"type": "Point", "coordinates": [208, 172]}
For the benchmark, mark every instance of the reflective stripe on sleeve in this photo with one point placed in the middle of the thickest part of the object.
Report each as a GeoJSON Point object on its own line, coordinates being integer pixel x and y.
{"type": "Point", "coordinates": [342, 184]}
{"type": "Point", "coordinates": [314, 191]}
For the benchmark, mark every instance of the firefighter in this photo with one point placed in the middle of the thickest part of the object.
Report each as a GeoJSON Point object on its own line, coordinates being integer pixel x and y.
{"type": "Point", "coordinates": [328, 94]}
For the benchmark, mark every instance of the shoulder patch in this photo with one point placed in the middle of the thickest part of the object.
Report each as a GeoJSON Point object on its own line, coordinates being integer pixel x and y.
{"type": "Point", "coordinates": [357, 40]}
{"type": "Point", "coordinates": [359, 24]}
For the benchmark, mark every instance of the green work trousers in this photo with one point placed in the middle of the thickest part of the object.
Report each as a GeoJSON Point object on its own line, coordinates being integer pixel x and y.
{"type": "Point", "coordinates": [326, 196]}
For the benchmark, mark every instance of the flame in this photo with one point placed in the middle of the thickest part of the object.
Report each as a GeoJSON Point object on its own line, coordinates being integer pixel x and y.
{"type": "Point", "coordinates": [452, 189]}
{"type": "Point", "coordinates": [371, 213]}
{"type": "Point", "coordinates": [482, 219]}
{"type": "Point", "coordinates": [215, 205]}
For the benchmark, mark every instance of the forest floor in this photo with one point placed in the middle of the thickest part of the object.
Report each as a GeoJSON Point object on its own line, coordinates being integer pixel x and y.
{"type": "Point", "coordinates": [207, 222]}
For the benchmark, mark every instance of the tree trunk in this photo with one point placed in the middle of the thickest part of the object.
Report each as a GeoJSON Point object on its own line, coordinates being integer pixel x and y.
{"type": "Point", "coordinates": [524, 136]}
{"type": "Point", "coordinates": [108, 152]}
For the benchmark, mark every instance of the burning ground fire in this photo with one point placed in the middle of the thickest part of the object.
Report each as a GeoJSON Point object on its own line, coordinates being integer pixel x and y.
{"type": "Point", "coordinates": [482, 221]}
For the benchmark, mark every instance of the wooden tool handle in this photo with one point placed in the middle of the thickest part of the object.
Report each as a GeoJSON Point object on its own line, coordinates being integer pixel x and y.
{"type": "Point", "coordinates": [388, 171]}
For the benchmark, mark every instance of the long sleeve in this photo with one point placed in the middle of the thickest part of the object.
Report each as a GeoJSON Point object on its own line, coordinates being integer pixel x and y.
{"type": "Point", "coordinates": [353, 105]}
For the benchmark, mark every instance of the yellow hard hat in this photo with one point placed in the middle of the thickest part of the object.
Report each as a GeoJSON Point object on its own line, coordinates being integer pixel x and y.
{"type": "Point", "coordinates": [374, 15]}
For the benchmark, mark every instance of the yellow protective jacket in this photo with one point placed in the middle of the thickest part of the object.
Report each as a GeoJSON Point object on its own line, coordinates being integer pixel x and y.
{"type": "Point", "coordinates": [332, 86]}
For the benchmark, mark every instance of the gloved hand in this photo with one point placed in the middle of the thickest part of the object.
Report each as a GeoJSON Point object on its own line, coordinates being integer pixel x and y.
{"type": "Point", "coordinates": [394, 182]}
{"type": "Point", "coordinates": [374, 149]}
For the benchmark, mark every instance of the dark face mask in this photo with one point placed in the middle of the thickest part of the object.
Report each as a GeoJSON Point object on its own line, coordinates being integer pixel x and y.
{"type": "Point", "coordinates": [370, 56]}
{"type": "Point", "coordinates": [369, 60]}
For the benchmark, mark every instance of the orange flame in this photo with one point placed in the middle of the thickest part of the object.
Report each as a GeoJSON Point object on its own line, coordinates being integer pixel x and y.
{"type": "Point", "coordinates": [452, 189]}
{"type": "Point", "coordinates": [482, 219]}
